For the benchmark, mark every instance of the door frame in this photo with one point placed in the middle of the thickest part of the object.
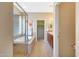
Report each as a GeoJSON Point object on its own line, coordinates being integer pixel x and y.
{"type": "Point", "coordinates": [56, 31]}
{"type": "Point", "coordinates": [77, 30]}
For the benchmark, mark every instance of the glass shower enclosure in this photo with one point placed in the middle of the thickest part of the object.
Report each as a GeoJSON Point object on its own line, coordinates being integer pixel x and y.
{"type": "Point", "coordinates": [20, 31]}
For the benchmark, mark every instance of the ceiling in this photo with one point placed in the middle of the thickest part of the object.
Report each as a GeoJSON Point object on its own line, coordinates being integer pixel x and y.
{"type": "Point", "coordinates": [17, 10]}
{"type": "Point", "coordinates": [37, 6]}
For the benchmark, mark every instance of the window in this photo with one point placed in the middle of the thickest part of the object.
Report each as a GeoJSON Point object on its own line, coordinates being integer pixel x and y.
{"type": "Point", "coordinates": [21, 25]}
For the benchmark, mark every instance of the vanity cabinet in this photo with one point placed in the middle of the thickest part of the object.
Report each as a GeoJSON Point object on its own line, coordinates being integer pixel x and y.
{"type": "Point", "coordinates": [50, 38]}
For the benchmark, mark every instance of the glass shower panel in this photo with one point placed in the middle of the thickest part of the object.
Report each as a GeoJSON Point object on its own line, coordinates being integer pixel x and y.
{"type": "Point", "coordinates": [20, 27]}
{"type": "Point", "coordinates": [19, 36]}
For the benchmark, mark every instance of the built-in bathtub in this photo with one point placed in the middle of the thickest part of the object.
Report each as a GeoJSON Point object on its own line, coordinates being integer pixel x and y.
{"type": "Point", "coordinates": [19, 43]}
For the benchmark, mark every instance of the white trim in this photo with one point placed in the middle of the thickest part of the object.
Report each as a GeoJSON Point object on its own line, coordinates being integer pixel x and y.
{"type": "Point", "coordinates": [45, 30]}
{"type": "Point", "coordinates": [77, 30]}
{"type": "Point", "coordinates": [55, 31]}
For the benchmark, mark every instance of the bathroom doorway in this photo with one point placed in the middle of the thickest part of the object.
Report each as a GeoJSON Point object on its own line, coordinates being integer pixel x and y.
{"type": "Point", "coordinates": [40, 29]}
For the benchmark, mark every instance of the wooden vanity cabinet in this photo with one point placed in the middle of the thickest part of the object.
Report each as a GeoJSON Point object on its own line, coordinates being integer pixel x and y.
{"type": "Point", "coordinates": [50, 39]}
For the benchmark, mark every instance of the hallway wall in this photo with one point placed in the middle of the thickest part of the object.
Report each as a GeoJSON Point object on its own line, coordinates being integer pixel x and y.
{"type": "Point", "coordinates": [6, 39]}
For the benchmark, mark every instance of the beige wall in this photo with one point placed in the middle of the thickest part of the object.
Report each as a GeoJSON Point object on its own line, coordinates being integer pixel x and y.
{"type": "Point", "coordinates": [66, 29]}
{"type": "Point", "coordinates": [6, 45]}
{"type": "Point", "coordinates": [40, 16]}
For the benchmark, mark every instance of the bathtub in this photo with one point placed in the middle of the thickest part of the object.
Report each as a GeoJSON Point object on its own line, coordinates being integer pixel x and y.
{"type": "Point", "coordinates": [21, 40]}
{"type": "Point", "coordinates": [20, 43]}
